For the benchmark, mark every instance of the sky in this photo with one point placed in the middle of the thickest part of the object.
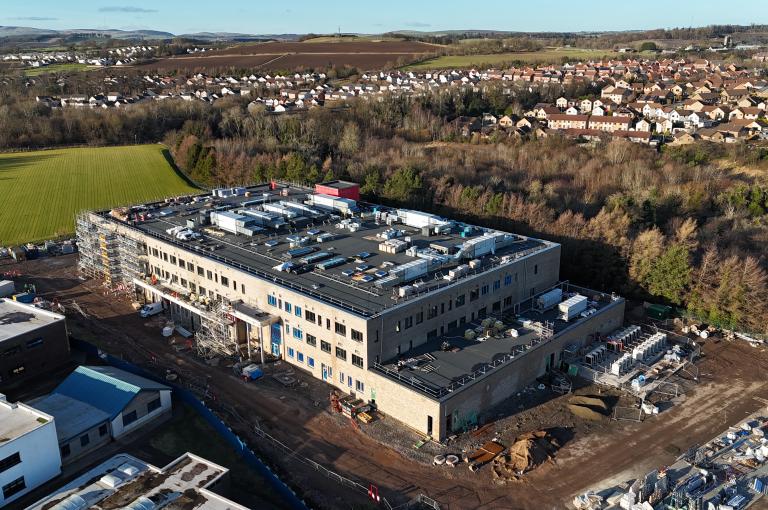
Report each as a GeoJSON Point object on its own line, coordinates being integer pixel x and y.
{"type": "Point", "coordinates": [376, 16]}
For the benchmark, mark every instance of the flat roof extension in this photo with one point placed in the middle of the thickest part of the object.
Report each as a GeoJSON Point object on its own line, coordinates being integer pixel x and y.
{"type": "Point", "coordinates": [19, 318]}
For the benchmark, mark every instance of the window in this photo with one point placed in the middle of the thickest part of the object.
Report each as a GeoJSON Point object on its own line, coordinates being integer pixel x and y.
{"type": "Point", "coordinates": [408, 322]}
{"type": "Point", "coordinates": [357, 361]}
{"type": "Point", "coordinates": [154, 405]}
{"type": "Point", "coordinates": [272, 300]}
{"type": "Point", "coordinates": [508, 279]}
{"type": "Point", "coordinates": [300, 357]}
{"type": "Point", "coordinates": [209, 274]}
{"type": "Point", "coordinates": [432, 312]}
{"type": "Point", "coordinates": [225, 281]}
{"type": "Point", "coordinates": [325, 346]}
{"type": "Point", "coordinates": [484, 289]}
{"type": "Point", "coordinates": [508, 301]}
{"type": "Point", "coordinates": [341, 329]}
{"type": "Point", "coordinates": [10, 461]}
{"type": "Point", "coordinates": [14, 487]}
{"type": "Point", "coordinates": [85, 439]}
{"type": "Point", "coordinates": [311, 362]}
{"type": "Point", "coordinates": [297, 311]}
{"type": "Point", "coordinates": [36, 342]}
{"type": "Point", "coordinates": [65, 451]}
{"type": "Point", "coordinates": [341, 353]}
{"type": "Point", "coordinates": [310, 316]}
{"type": "Point", "coordinates": [242, 288]}
{"type": "Point", "coordinates": [288, 307]}
{"type": "Point", "coordinates": [290, 352]}
{"type": "Point", "coordinates": [103, 430]}
{"type": "Point", "coordinates": [129, 418]}
{"type": "Point", "coordinates": [190, 267]}
{"type": "Point", "coordinates": [182, 263]}
{"type": "Point", "coordinates": [359, 386]}
{"type": "Point", "coordinates": [357, 336]}
{"type": "Point", "coordinates": [13, 350]}
{"type": "Point", "coordinates": [349, 381]}
{"type": "Point", "coordinates": [173, 260]}
{"type": "Point", "coordinates": [535, 269]}
{"type": "Point", "coordinates": [496, 285]}
{"type": "Point", "coordinates": [201, 290]}
{"type": "Point", "coordinates": [474, 295]}
{"type": "Point", "coordinates": [341, 377]}
{"type": "Point", "coordinates": [311, 340]}
{"type": "Point", "coordinates": [298, 334]}
{"type": "Point", "coordinates": [200, 271]}
{"type": "Point", "coordinates": [419, 317]}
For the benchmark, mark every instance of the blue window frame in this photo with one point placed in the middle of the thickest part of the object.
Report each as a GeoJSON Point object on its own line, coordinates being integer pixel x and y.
{"type": "Point", "coordinates": [297, 311]}
{"type": "Point", "coordinates": [288, 307]}
{"type": "Point", "coordinates": [287, 329]}
{"type": "Point", "coordinates": [300, 356]}
{"type": "Point", "coordinates": [290, 352]}
{"type": "Point", "coordinates": [298, 334]}
{"type": "Point", "coordinates": [311, 361]}
{"type": "Point", "coordinates": [349, 381]}
{"type": "Point", "coordinates": [272, 300]}
{"type": "Point", "coordinates": [508, 279]}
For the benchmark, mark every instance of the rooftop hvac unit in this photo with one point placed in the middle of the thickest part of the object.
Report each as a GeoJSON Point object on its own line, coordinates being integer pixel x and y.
{"type": "Point", "coordinates": [572, 307]}
{"type": "Point", "coordinates": [549, 299]}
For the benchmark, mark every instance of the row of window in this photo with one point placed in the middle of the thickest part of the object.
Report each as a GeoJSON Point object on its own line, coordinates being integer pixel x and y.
{"type": "Point", "coordinates": [10, 461]}
{"type": "Point", "coordinates": [14, 487]}
{"type": "Point", "coordinates": [16, 349]}
{"type": "Point", "coordinates": [358, 384]}
{"type": "Point", "coordinates": [338, 328]}
{"type": "Point", "coordinates": [189, 266]}
{"type": "Point", "coordinates": [324, 346]}
{"type": "Point", "coordinates": [299, 356]}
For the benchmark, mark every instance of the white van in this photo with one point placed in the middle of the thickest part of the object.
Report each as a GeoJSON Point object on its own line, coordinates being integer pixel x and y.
{"type": "Point", "coordinates": [150, 309]}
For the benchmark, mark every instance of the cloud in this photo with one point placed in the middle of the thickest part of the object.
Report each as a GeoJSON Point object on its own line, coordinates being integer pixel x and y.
{"type": "Point", "coordinates": [34, 18]}
{"type": "Point", "coordinates": [132, 9]}
{"type": "Point", "coordinates": [417, 24]}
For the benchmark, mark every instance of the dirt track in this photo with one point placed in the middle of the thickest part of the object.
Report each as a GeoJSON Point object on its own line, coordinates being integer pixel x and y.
{"type": "Point", "coordinates": [732, 375]}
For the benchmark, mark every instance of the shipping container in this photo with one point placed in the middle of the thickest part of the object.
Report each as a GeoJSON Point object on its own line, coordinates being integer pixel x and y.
{"type": "Point", "coordinates": [337, 261]}
{"type": "Point", "coordinates": [549, 299]}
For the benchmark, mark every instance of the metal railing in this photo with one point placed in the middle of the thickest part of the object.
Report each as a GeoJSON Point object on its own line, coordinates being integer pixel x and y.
{"type": "Point", "coordinates": [439, 392]}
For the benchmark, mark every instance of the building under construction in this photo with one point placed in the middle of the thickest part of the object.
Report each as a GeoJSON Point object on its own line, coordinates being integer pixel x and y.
{"type": "Point", "coordinates": [433, 319]}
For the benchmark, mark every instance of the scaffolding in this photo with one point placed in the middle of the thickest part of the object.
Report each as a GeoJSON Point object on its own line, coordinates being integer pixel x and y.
{"type": "Point", "coordinates": [214, 337]}
{"type": "Point", "coordinates": [104, 254]}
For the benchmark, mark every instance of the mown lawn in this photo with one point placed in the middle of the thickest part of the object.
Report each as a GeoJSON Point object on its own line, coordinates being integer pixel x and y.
{"type": "Point", "coordinates": [546, 56]}
{"type": "Point", "coordinates": [42, 191]}
{"type": "Point", "coordinates": [55, 68]}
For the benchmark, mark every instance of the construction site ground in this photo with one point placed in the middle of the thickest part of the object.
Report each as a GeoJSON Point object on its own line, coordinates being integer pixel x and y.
{"type": "Point", "coordinates": [594, 453]}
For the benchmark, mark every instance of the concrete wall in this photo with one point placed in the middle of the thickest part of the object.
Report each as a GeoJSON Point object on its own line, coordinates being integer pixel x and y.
{"type": "Point", "coordinates": [40, 460]}
{"type": "Point", "coordinates": [25, 355]}
{"type": "Point", "coordinates": [95, 441]}
{"type": "Point", "coordinates": [464, 407]}
{"type": "Point", "coordinates": [139, 404]}
{"type": "Point", "coordinates": [404, 404]}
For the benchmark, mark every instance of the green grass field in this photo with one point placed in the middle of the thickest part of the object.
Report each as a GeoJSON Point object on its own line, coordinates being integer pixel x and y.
{"type": "Point", "coordinates": [546, 56]}
{"type": "Point", "coordinates": [55, 68]}
{"type": "Point", "coordinates": [42, 191]}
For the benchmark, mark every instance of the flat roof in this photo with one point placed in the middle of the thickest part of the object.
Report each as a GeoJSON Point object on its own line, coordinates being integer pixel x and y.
{"type": "Point", "coordinates": [251, 254]}
{"type": "Point", "coordinates": [19, 318]}
{"type": "Point", "coordinates": [124, 481]}
{"type": "Point", "coordinates": [446, 364]}
{"type": "Point", "coordinates": [339, 184]}
{"type": "Point", "coordinates": [73, 417]}
{"type": "Point", "coordinates": [18, 419]}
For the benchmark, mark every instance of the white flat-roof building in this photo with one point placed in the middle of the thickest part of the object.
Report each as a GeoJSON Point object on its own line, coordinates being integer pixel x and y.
{"type": "Point", "coordinates": [29, 451]}
{"type": "Point", "coordinates": [127, 482]}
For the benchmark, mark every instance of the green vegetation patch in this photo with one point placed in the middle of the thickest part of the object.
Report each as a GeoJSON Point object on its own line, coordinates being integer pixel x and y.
{"type": "Point", "coordinates": [552, 55]}
{"type": "Point", "coordinates": [42, 191]}
{"type": "Point", "coordinates": [56, 68]}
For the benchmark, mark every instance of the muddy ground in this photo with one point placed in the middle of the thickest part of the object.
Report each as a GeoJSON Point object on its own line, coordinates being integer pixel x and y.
{"type": "Point", "coordinates": [594, 453]}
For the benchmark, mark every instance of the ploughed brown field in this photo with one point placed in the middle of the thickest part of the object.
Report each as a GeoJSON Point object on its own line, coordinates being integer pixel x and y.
{"type": "Point", "coordinates": [291, 56]}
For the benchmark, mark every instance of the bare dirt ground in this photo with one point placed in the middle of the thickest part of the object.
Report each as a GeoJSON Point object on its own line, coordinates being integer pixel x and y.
{"type": "Point", "coordinates": [595, 453]}
{"type": "Point", "coordinates": [297, 55]}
